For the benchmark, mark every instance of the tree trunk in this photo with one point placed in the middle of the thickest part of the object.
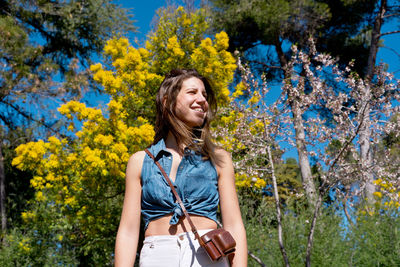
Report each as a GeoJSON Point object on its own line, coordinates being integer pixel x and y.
{"type": "Point", "coordinates": [375, 37]}
{"type": "Point", "coordinates": [278, 209]}
{"type": "Point", "coordinates": [304, 163]}
{"type": "Point", "coordinates": [365, 156]}
{"type": "Point", "coordinates": [2, 193]}
{"type": "Point", "coordinates": [280, 53]}
{"type": "Point", "coordinates": [365, 133]}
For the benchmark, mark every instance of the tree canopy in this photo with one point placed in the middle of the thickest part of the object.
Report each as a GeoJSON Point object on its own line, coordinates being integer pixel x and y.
{"type": "Point", "coordinates": [45, 48]}
{"type": "Point", "coordinates": [43, 43]}
{"type": "Point", "coordinates": [337, 26]}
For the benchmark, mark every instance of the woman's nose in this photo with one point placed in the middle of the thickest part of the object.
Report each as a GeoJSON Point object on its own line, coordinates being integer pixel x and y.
{"type": "Point", "coordinates": [201, 98]}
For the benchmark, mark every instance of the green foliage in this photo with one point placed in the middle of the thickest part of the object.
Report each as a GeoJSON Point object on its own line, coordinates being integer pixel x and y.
{"type": "Point", "coordinates": [65, 29]}
{"type": "Point", "coordinates": [175, 37]}
{"type": "Point", "coordinates": [21, 247]}
{"type": "Point", "coordinates": [337, 26]}
{"type": "Point", "coordinates": [288, 179]}
{"type": "Point", "coordinates": [180, 41]}
{"type": "Point", "coordinates": [347, 34]}
{"type": "Point", "coordinates": [375, 239]}
{"type": "Point", "coordinates": [17, 183]}
{"type": "Point", "coordinates": [43, 41]}
{"type": "Point", "coordinates": [262, 21]}
{"type": "Point", "coordinates": [389, 147]}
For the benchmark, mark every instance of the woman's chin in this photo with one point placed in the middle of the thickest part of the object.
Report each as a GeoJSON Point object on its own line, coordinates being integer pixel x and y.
{"type": "Point", "coordinates": [198, 124]}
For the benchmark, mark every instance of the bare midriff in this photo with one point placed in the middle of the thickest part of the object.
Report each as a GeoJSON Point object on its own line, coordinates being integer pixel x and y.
{"type": "Point", "coordinates": [161, 226]}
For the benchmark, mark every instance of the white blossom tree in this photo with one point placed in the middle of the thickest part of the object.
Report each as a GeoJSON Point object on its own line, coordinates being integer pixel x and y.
{"type": "Point", "coordinates": [335, 145]}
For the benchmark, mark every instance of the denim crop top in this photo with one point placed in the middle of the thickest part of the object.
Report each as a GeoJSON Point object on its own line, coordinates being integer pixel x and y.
{"type": "Point", "coordinates": [196, 183]}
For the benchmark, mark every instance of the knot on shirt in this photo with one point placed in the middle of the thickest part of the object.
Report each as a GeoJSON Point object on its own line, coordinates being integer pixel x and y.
{"type": "Point", "coordinates": [178, 212]}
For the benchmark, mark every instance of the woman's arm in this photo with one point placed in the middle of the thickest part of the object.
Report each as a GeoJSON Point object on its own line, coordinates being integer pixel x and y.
{"type": "Point", "coordinates": [230, 211]}
{"type": "Point", "coordinates": [129, 226]}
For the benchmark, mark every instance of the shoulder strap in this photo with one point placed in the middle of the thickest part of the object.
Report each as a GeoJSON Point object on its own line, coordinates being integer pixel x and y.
{"type": "Point", "coordinates": [178, 199]}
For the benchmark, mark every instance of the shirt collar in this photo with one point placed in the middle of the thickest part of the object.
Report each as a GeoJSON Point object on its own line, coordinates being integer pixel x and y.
{"type": "Point", "coordinates": [159, 148]}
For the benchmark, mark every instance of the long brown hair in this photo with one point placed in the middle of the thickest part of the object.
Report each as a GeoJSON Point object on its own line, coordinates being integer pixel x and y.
{"type": "Point", "coordinates": [198, 138]}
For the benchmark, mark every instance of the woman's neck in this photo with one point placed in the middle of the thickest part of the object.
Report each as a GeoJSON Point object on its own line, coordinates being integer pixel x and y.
{"type": "Point", "coordinates": [171, 143]}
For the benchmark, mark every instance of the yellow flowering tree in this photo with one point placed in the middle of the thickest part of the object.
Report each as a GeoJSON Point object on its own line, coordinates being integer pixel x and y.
{"type": "Point", "coordinates": [179, 42]}
{"type": "Point", "coordinates": [387, 199]}
{"type": "Point", "coordinates": [79, 178]}
{"type": "Point", "coordinates": [79, 181]}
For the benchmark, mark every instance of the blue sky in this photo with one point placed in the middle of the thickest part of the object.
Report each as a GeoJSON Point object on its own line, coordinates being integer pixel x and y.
{"type": "Point", "coordinates": [144, 12]}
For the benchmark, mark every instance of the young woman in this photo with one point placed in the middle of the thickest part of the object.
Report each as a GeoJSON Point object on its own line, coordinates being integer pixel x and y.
{"type": "Point", "coordinates": [202, 175]}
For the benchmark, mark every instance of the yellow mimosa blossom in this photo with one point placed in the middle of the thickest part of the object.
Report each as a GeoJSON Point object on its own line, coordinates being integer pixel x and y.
{"type": "Point", "coordinates": [104, 140]}
{"type": "Point", "coordinates": [239, 90]}
{"type": "Point", "coordinates": [255, 98]}
{"type": "Point", "coordinates": [70, 201]}
{"type": "Point", "coordinates": [174, 46]}
{"type": "Point", "coordinates": [39, 196]}
{"type": "Point", "coordinates": [54, 140]}
{"type": "Point", "coordinates": [25, 247]}
{"type": "Point", "coordinates": [378, 194]}
{"type": "Point", "coordinates": [260, 183]}
{"type": "Point", "coordinates": [27, 215]}
{"type": "Point", "coordinates": [96, 67]}
{"type": "Point", "coordinates": [222, 41]}
{"type": "Point", "coordinates": [116, 47]}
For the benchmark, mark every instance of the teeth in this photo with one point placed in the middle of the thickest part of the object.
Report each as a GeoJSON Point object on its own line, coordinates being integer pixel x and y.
{"type": "Point", "coordinates": [199, 109]}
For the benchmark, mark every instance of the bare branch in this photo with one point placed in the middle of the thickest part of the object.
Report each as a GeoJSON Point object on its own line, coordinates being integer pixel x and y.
{"type": "Point", "coordinates": [265, 65]}
{"type": "Point", "coordinates": [346, 212]}
{"type": "Point", "coordinates": [278, 210]}
{"type": "Point", "coordinates": [312, 230]}
{"type": "Point", "coordinates": [257, 259]}
{"type": "Point", "coordinates": [388, 33]}
{"type": "Point", "coordinates": [391, 15]}
{"type": "Point", "coordinates": [349, 141]}
{"type": "Point", "coordinates": [29, 116]}
{"type": "Point", "coordinates": [391, 49]}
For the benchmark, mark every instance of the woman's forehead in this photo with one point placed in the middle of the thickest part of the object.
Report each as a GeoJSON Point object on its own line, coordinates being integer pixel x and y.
{"type": "Point", "coordinates": [193, 82]}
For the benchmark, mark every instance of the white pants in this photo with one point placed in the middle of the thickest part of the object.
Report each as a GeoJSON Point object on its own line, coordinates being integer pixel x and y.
{"type": "Point", "coordinates": [180, 250]}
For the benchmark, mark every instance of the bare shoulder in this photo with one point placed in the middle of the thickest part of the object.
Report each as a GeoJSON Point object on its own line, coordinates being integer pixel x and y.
{"type": "Point", "coordinates": [135, 163]}
{"type": "Point", "coordinates": [223, 161]}
{"type": "Point", "coordinates": [138, 156]}
{"type": "Point", "coordinates": [223, 157]}
{"type": "Point", "coordinates": [222, 153]}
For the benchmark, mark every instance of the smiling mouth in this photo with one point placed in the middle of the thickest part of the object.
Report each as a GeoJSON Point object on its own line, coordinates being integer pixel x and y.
{"type": "Point", "coordinates": [199, 110]}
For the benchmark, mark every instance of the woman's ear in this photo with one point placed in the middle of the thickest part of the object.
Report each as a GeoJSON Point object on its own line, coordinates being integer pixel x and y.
{"type": "Point", "coordinates": [164, 101]}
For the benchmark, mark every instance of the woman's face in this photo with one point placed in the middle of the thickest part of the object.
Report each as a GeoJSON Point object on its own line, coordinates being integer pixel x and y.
{"type": "Point", "coordinates": [191, 102]}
